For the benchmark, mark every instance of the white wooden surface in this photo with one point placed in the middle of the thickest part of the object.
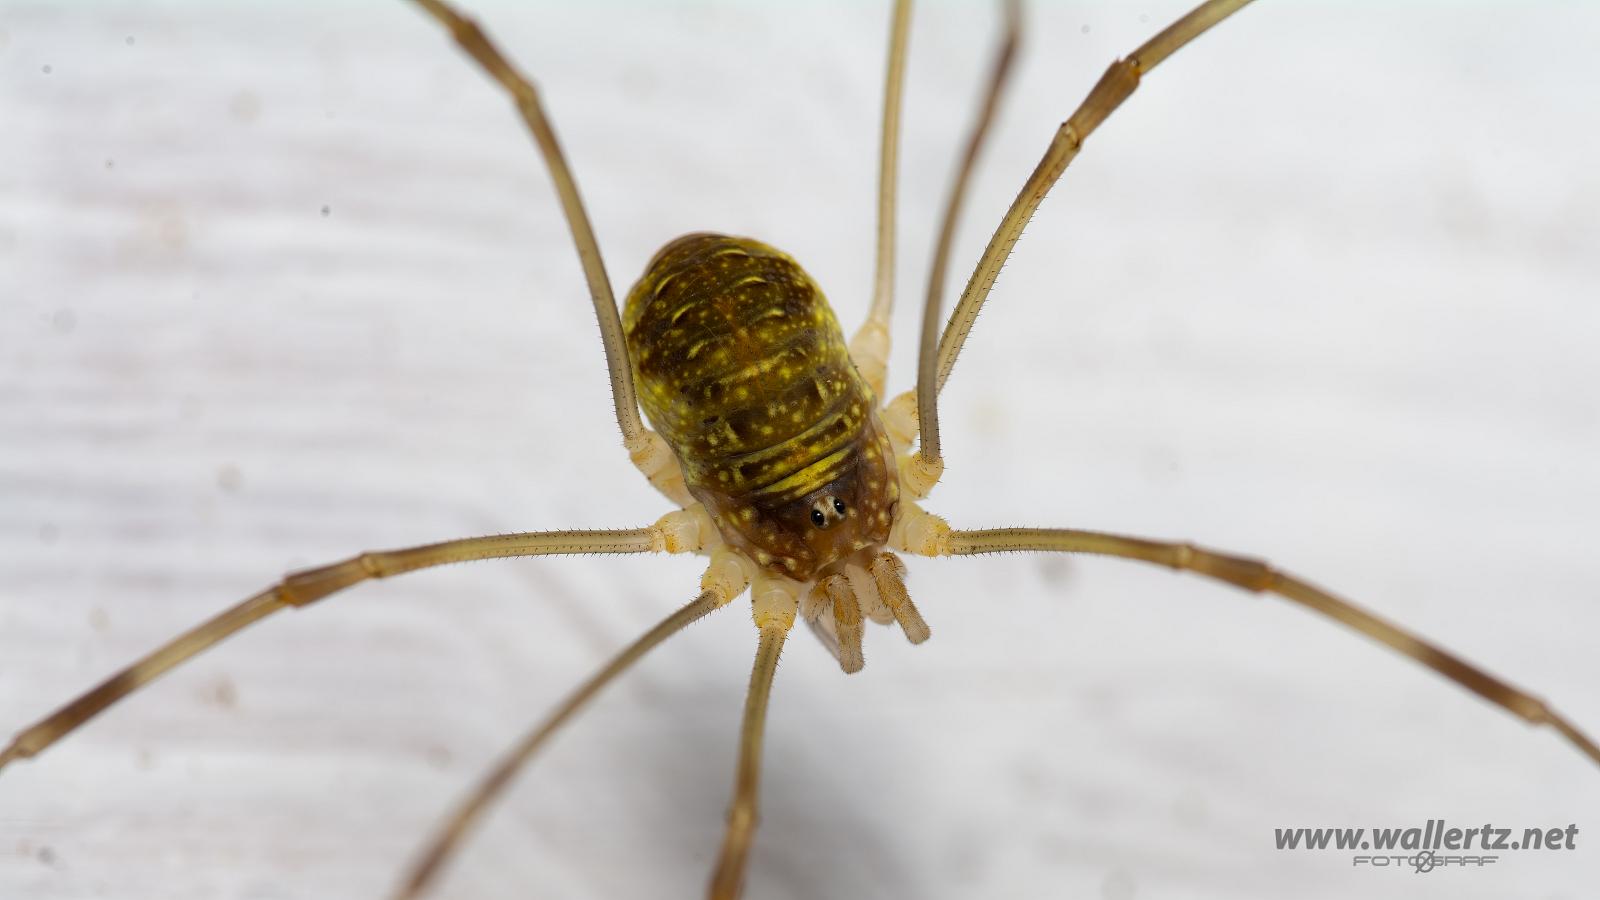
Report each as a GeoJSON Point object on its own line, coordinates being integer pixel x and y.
{"type": "Point", "coordinates": [283, 282]}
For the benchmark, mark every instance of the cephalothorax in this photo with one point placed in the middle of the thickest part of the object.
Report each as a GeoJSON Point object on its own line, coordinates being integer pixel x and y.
{"type": "Point", "coordinates": [790, 474]}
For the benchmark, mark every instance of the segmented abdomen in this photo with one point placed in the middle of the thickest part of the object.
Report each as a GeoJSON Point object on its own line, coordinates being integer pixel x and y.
{"type": "Point", "coordinates": [742, 368]}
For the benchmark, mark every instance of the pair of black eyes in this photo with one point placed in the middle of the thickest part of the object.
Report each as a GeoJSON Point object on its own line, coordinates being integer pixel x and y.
{"type": "Point", "coordinates": [819, 520]}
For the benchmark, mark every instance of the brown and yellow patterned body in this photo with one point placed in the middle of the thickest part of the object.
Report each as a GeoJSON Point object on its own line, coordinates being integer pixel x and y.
{"type": "Point", "coordinates": [742, 368]}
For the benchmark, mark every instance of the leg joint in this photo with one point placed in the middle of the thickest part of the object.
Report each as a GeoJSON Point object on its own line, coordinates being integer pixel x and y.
{"type": "Point", "coordinates": [1250, 574]}
{"type": "Point", "coordinates": [742, 816]}
{"type": "Point", "coordinates": [310, 585]}
{"type": "Point", "coordinates": [372, 565]}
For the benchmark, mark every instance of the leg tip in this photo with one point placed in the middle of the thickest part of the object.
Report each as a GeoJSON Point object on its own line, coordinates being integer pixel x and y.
{"type": "Point", "coordinates": [1568, 730]}
{"type": "Point", "coordinates": [10, 754]}
{"type": "Point", "coordinates": [417, 882]}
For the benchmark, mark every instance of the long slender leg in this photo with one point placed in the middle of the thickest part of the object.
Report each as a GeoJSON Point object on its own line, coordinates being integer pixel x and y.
{"type": "Point", "coordinates": [869, 348]}
{"type": "Point", "coordinates": [674, 533]}
{"type": "Point", "coordinates": [1254, 575]}
{"type": "Point", "coordinates": [447, 839]}
{"type": "Point", "coordinates": [1119, 81]}
{"type": "Point", "coordinates": [728, 879]}
{"type": "Point", "coordinates": [526, 97]}
{"type": "Point", "coordinates": [929, 458]}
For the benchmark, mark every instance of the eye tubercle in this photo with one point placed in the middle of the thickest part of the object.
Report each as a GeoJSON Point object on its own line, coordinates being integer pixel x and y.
{"type": "Point", "coordinates": [827, 511]}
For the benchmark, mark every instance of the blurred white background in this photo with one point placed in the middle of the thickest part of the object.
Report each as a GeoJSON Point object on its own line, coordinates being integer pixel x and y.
{"type": "Point", "coordinates": [281, 282]}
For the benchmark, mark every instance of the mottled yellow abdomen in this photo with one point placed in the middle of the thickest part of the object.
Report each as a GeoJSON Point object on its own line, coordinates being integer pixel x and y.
{"type": "Point", "coordinates": [742, 368]}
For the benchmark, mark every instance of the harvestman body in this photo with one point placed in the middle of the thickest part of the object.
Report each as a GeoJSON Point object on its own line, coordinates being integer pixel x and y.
{"type": "Point", "coordinates": [791, 477]}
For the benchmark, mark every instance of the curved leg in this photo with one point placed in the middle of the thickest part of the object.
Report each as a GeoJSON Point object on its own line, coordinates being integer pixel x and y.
{"type": "Point", "coordinates": [720, 586]}
{"type": "Point", "coordinates": [526, 97]}
{"type": "Point", "coordinates": [928, 456]}
{"type": "Point", "coordinates": [1115, 86]}
{"type": "Point", "coordinates": [727, 881]}
{"type": "Point", "coordinates": [676, 532]}
{"type": "Point", "coordinates": [1254, 575]}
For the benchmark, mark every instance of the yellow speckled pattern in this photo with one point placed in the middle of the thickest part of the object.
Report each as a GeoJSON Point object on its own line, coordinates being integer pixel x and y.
{"type": "Point", "coordinates": [743, 369]}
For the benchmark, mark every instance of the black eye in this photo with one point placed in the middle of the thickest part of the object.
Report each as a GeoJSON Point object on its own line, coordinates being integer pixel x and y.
{"type": "Point", "coordinates": [818, 519]}
{"type": "Point", "coordinates": [838, 506]}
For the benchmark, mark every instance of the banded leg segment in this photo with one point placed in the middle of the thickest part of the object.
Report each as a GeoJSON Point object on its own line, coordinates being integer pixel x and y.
{"type": "Point", "coordinates": [471, 38]}
{"type": "Point", "coordinates": [1115, 86]}
{"type": "Point", "coordinates": [1257, 576]}
{"type": "Point", "coordinates": [675, 532]}
{"type": "Point", "coordinates": [719, 591]}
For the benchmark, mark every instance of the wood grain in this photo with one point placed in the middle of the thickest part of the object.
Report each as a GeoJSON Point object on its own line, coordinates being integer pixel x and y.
{"type": "Point", "coordinates": [283, 282]}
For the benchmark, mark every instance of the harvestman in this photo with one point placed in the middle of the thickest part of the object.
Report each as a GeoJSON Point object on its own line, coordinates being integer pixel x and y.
{"type": "Point", "coordinates": [835, 595]}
